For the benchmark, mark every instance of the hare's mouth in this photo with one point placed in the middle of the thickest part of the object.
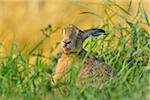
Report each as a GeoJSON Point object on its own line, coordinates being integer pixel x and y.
{"type": "Point", "coordinates": [67, 49]}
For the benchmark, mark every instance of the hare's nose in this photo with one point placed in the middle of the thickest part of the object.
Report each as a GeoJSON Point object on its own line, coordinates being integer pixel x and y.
{"type": "Point", "coordinates": [65, 45]}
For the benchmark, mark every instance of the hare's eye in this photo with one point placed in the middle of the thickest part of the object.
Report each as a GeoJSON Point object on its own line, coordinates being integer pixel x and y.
{"type": "Point", "coordinates": [68, 42]}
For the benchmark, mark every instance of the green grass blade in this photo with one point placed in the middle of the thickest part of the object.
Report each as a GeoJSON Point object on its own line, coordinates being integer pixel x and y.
{"type": "Point", "coordinates": [47, 35]}
{"type": "Point", "coordinates": [37, 46]}
{"type": "Point", "coordinates": [92, 13]}
{"type": "Point", "coordinates": [129, 7]}
{"type": "Point", "coordinates": [145, 16]}
{"type": "Point", "coordinates": [121, 8]}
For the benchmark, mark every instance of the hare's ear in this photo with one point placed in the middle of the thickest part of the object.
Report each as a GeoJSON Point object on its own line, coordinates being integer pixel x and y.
{"type": "Point", "coordinates": [63, 31]}
{"type": "Point", "coordinates": [92, 32]}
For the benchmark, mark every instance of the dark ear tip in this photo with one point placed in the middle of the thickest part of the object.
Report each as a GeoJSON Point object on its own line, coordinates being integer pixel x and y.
{"type": "Point", "coordinates": [101, 30]}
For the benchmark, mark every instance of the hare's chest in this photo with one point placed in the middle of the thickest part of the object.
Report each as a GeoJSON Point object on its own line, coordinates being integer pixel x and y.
{"type": "Point", "coordinates": [65, 62]}
{"type": "Point", "coordinates": [64, 65]}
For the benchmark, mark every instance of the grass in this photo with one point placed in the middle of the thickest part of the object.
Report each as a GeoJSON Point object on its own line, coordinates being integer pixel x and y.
{"type": "Point", "coordinates": [126, 48]}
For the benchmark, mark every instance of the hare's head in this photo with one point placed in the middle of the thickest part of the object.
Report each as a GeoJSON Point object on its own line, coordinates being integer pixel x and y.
{"type": "Point", "coordinates": [73, 38]}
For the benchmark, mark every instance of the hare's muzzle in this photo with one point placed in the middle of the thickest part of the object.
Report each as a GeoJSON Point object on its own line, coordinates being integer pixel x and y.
{"type": "Point", "coordinates": [66, 48]}
{"type": "Point", "coordinates": [66, 43]}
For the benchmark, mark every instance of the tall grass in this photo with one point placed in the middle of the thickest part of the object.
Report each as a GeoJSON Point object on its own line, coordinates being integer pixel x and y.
{"type": "Point", "coordinates": [126, 48]}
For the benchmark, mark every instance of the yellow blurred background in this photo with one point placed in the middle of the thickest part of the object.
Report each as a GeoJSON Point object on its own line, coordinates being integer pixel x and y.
{"type": "Point", "coordinates": [21, 20]}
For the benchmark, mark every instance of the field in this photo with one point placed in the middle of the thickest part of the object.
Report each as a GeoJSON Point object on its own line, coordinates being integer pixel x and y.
{"type": "Point", "coordinates": [29, 48]}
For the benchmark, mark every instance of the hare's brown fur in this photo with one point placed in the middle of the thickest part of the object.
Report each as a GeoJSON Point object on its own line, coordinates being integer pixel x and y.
{"type": "Point", "coordinates": [93, 71]}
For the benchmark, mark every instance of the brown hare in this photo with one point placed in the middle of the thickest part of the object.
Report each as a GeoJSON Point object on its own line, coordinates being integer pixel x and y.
{"type": "Point", "coordinates": [93, 72]}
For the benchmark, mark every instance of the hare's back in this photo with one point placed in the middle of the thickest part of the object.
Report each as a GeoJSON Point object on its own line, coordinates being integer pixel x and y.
{"type": "Point", "coordinates": [94, 72]}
